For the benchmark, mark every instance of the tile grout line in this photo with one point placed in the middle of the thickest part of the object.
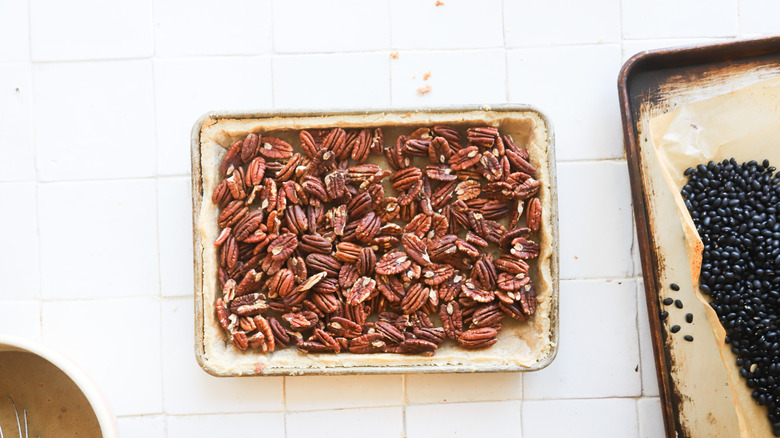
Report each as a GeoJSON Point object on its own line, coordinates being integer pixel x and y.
{"type": "Point", "coordinates": [31, 128]}
{"type": "Point", "coordinates": [160, 295]}
{"type": "Point", "coordinates": [506, 52]}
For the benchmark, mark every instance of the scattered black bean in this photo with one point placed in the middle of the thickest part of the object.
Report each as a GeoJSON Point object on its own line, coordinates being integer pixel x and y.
{"type": "Point", "coordinates": [664, 315]}
{"type": "Point", "coordinates": [736, 210]}
{"type": "Point", "coordinates": [688, 338]}
{"type": "Point", "coordinates": [668, 301]}
{"type": "Point", "coordinates": [675, 329]}
{"type": "Point", "coordinates": [674, 287]}
{"type": "Point", "coordinates": [678, 304]}
{"type": "Point", "coordinates": [689, 318]}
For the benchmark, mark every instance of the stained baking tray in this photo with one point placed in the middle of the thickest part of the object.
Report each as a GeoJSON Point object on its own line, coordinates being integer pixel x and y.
{"type": "Point", "coordinates": [218, 357]}
{"type": "Point", "coordinates": [693, 383]}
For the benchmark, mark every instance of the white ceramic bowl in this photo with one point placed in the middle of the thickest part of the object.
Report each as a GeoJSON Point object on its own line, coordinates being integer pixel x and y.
{"type": "Point", "coordinates": [96, 399]}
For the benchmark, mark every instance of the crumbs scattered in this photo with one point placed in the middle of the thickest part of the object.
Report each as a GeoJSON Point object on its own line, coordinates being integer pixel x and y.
{"type": "Point", "coordinates": [425, 89]}
{"type": "Point", "coordinates": [426, 75]}
{"type": "Point", "coordinates": [394, 55]}
{"type": "Point", "coordinates": [259, 367]}
{"type": "Point", "coordinates": [439, 3]}
{"type": "Point", "coordinates": [18, 91]}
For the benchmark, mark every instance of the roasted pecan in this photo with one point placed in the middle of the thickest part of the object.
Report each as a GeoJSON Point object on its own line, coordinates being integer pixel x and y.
{"type": "Point", "coordinates": [361, 291]}
{"type": "Point", "coordinates": [478, 338]}
{"type": "Point", "coordinates": [469, 289]}
{"type": "Point", "coordinates": [415, 298]}
{"type": "Point", "coordinates": [231, 159]}
{"type": "Point", "coordinates": [534, 215]}
{"type": "Point", "coordinates": [272, 147]}
{"type": "Point", "coordinates": [416, 249]}
{"type": "Point", "coordinates": [366, 262]}
{"type": "Point", "coordinates": [283, 246]}
{"type": "Point", "coordinates": [368, 227]}
{"type": "Point", "coordinates": [301, 321]}
{"type": "Point", "coordinates": [322, 262]}
{"type": "Point", "coordinates": [524, 248]}
{"type": "Point", "coordinates": [343, 327]}
{"type": "Point", "coordinates": [390, 331]}
{"type": "Point", "coordinates": [418, 346]}
{"type": "Point", "coordinates": [250, 147]}
{"type": "Point", "coordinates": [249, 304]}
{"type": "Point", "coordinates": [366, 344]}
{"type": "Point", "coordinates": [393, 263]}
{"type": "Point", "coordinates": [404, 179]}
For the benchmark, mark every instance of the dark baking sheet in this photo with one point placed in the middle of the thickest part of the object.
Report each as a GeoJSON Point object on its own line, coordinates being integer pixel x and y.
{"type": "Point", "coordinates": [651, 83]}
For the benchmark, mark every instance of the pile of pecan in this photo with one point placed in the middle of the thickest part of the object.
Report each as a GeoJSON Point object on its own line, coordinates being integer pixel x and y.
{"type": "Point", "coordinates": [315, 252]}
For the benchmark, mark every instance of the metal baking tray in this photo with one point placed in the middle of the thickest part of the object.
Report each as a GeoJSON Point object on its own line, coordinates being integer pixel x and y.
{"type": "Point", "coordinates": [693, 383]}
{"type": "Point", "coordinates": [253, 363]}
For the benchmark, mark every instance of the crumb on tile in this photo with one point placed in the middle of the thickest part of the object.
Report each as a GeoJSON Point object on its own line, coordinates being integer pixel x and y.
{"type": "Point", "coordinates": [425, 89]}
{"type": "Point", "coordinates": [439, 3]}
{"type": "Point", "coordinates": [394, 55]}
{"type": "Point", "coordinates": [426, 75]}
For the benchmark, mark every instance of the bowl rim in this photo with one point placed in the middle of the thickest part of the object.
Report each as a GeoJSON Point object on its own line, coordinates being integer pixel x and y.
{"type": "Point", "coordinates": [85, 383]}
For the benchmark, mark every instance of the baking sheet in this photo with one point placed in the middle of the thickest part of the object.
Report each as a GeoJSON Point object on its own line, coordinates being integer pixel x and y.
{"type": "Point", "coordinates": [693, 382]}
{"type": "Point", "coordinates": [249, 363]}
{"type": "Point", "coordinates": [745, 125]}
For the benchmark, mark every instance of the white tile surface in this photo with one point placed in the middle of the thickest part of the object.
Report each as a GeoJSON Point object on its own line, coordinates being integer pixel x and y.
{"type": "Point", "coordinates": [758, 17]}
{"type": "Point", "coordinates": [441, 388]}
{"type": "Point", "coordinates": [464, 419]}
{"type": "Point", "coordinates": [98, 239]}
{"type": "Point", "coordinates": [561, 22]}
{"type": "Point", "coordinates": [94, 120]}
{"type": "Point", "coordinates": [337, 392]}
{"type": "Point", "coordinates": [146, 426]}
{"type": "Point", "coordinates": [651, 422]}
{"type": "Point", "coordinates": [339, 26]}
{"type": "Point", "coordinates": [244, 425]}
{"type": "Point", "coordinates": [174, 202]}
{"type": "Point", "coordinates": [19, 240]}
{"type": "Point", "coordinates": [583, 107]}
{"type": "Point", "coordinates": [595, 230]}
{"type": "Point", "coordinates": [95, 163]}
{"type": "Point", "coordinates": [190, 390]}
{"type": "Point", "coordinates": [474, 77]}
{"type": "Point", "coordinates": [647, 364]}
{"type": "Point", "coordinates": [117, 342]}
{"type": "Point", "coordinates": [597, 359]}
{"type": "Point", "coordinates": [18, 161]}
{"type": "Point", "coordinates": [15, 28]}
{"type": "Point", "coordinates": [203, 27]}
{"type": "Point", "coordinates": [21, 318]}
{"type": "Point", "coordinates": [332, 81]}
{"type": "Point", "coordinates": [98, 29]}
{"type": "Point", "coordinates": [672, 19]}
{"type": "Point", "coordinates": [346, 423]}
{"type": "Point", "coordinates": [583, 418]}
{"type": "Point", "coordinates": [185, 89]}
{"type": "Point", "coordinates": [456, 24]}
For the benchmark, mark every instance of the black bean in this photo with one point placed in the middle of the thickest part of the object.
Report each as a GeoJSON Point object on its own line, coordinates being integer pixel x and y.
{"type": "Point", "coordinates": [668, 301]}
{"type": "Point", "coordinates": [674, 287]}
{"type": "Point", "coordinates": [736, 210]}
{"type": "Point", "coordinates": [664, 314]}
{"type": "Point", "coordinates": [678, 304]}
{"type": "Point", "coordinates": [675, 329]}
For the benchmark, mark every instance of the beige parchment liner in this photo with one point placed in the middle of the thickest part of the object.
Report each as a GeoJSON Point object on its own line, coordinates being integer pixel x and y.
{"type": "Point", "coordinates": [744, 124]}
{"type": "Point", "coordinates": [520, 345]}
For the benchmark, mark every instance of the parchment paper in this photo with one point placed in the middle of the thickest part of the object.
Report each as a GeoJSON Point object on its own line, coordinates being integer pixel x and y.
{"type": "Point", "coordinates": [744, 124]}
